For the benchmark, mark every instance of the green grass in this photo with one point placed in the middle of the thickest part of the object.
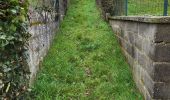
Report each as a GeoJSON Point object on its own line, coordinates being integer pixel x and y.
{"type": "Point", "coordinates": [85, 61]}
{"type": "Point", "coordinates": [146, 7]}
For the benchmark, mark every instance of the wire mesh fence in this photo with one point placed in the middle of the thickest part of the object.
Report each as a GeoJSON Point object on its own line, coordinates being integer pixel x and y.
{"type": "Point", "coordinates": [142, 7]}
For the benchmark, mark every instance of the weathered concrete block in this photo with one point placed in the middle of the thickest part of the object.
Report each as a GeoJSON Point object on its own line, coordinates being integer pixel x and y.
{"type": "Point", "coordinates": [147, 30]}
{"type": "Point", "coordinates": [138, 41]}
{"type": "Point", "coordinates": [163, 33]}
{"type": "Point", "coordinates": [137, 71]}
{"type": "Point", "coordinates": [129, 59]}
{"type": "Point", "coordinates": [117, 27]}
{"type": "Point", "coordinates": [148, 83]}
{"type": "Point", "coordinates": [159, 52]}
{"type": "Point", "coordinates": [148, 47]}
{"type": "Point", "coordinates": [129, 48]}
{"type": "Point", "coordinates": [129, 37]}
{"type": "Point", "coordinates": [131, 27]}
{"type": "Point", "coordinates": [162, 52]}
{"type": "Point", "coordinates": [135, 54]}
{"type": "Point", "coordinates": [162, 72]}
{"type": "Point", "coordinates": [138, 74]}
{"type": "Point", "coordinates": [142, 59]}
{"type": "Point", "coordinates": [163, 91]}
{"type": "Point", "coordinates": [150, 69]}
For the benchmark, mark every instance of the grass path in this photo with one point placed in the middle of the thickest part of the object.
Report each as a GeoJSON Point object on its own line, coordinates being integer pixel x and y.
{"type": "Point", "coordinates": [85, 61]}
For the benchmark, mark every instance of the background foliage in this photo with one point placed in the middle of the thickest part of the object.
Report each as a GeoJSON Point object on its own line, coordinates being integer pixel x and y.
{"type": "Point", "coordinates": [14, 71]}
{"type": "Point", "coordinates": [109, 6]}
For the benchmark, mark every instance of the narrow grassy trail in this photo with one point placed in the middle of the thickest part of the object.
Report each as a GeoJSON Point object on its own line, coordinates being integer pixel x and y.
{"type": "Point", "coordinates": [85, 61]}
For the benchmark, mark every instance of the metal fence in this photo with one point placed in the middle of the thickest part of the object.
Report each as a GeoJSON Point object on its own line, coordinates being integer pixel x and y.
{"type": "Point", "coordinates": [142, 7]}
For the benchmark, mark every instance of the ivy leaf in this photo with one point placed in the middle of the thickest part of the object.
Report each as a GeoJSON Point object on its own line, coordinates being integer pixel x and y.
{"type": "Point", "coordinates": [13, 11]}
{"type": "Point", "coordinates": [2, 37]}
{"type": "Point", "coordinates": [1, 14]}
{"type": "Point", "coordinates": [22, 18]}
{"type": "Point", "coordinates": [3, 42]}
{"type": "Point", "coordinates": [0, 28]}
{"type": "Point", "coordinates": [10, 38]}
{"type": "Point", "coordinates": [13, 28]}
{"type": "Point", "coordinates": [7, 70]}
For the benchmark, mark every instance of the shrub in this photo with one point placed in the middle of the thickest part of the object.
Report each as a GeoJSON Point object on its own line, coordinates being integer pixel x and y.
{"type": "Point", "coordinates": [14, 70]}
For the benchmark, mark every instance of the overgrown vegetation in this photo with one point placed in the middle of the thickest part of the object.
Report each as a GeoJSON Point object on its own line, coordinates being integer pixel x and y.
{"type": "Point", "coordinates": [114, 7]}
{"type": "Point", "coordinates": [85, 61]}
{"type": "Point", "coordinates": [13, 39]}
{"type": "Point", "coordinates": [107, 6]}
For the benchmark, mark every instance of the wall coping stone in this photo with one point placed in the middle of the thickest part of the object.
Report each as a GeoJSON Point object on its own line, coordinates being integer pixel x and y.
{"type": "Point", "coordinates": [144, 19]}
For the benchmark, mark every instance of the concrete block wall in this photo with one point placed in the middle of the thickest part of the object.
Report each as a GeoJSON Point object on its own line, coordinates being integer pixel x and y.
{"type": "Point", "coordinates": [145, 42]}
{"type": "Point", "coordinates": [43, 27]}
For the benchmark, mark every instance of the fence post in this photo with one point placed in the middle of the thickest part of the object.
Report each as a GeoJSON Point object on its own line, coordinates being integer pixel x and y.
{"type": "Point", "coordinates": [126, 7]}
{"type": "Point", "coordinates": [165, 7]}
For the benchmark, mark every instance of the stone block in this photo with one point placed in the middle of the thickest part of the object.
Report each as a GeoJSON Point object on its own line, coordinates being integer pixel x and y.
{"type": "Point", "coordinates": [116, 27]}
{"type": "Point", "coordinates": [148, 47]}
{"type": "Point", "coordinates": [137, 69]}
{"type": "Point", "coordinates": [150, 68]}
{"type": "Point", "coordinates": [131, 27]}
{"type": "Point", "coordinates": [156, 90]}
{"type": "Point", "coordinates": [129, 37]}
{"type": "Point", "coordinates": [147, 30]}
{"type": "Point", "coordinates": [147, 95]}
{"type": "Point", "coordinates": [129, 59]}
{"type": "Point", "coordinates": [158, 52]}
{"type": "Point", "coordinates": [162, 72]}
{"type": "Point", "coordinates": [163, 33]}
{"type": "Point", "coordinates": [162, 91]}
{"type": "Point", "coordinates": [138, 41]}
{"type": "Point", "coordinates": [142, 59]}
{"type": "Point", "coordinates": [135, 54]}
{"type": "Point", "coordinates": [122, 33]}
{"type": "Point", "coordinates": [138, 75]}
{"type": "Point", "coordinates": [162, 52]}
{"type": "Point", "coordinates": [129, 48]}
{"type": "Point", "coordinates": [147, 82]}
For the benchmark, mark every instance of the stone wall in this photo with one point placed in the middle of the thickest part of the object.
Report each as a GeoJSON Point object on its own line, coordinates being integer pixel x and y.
{"type": "Point", "coordinates": [145, 42]}
{"type": "Point", "coordinates": [45, 17]}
